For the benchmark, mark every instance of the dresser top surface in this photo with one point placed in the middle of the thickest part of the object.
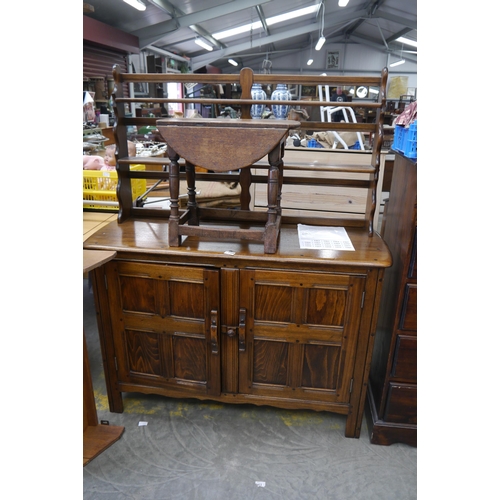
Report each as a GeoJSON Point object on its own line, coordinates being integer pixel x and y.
{"type": "Point", "coordinates": [151, 237]}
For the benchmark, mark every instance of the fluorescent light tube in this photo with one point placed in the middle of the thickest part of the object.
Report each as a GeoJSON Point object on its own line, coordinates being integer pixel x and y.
{"type": "Point", "coordinates": [310, 62]}
{"type": "Point", "coordinates": [203, 44]}
{"type": "Point", "coordinates": [137, 4]}
{"type": "Point", "coordinates": [233, 62]}
{"type": "Point", "coordinates": [236, 31]}
{"type": "Point", "coordinates": [407, 41]}
{"type": "Point", "coordinates": [292, 15]}
{"type": "Point", "coordinates": [272, 20]}
{"type": "Point", "coordinates": [320, 43]}
{"type": "Point", "coordinates": [343, 3]}
{"type": "Point", "coordinates": [397, 63]}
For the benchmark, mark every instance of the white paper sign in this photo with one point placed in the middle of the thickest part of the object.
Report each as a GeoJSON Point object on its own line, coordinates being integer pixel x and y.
{"type": "Point", "coordinates": [322, 237]}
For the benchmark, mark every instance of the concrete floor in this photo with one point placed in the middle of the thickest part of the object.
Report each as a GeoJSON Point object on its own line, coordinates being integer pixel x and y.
{"type": "Point", "coordinates": [188, 450]}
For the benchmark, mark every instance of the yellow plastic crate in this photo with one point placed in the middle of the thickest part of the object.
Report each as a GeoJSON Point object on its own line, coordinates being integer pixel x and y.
{"type": "Point", "coordinates": [100, 185]}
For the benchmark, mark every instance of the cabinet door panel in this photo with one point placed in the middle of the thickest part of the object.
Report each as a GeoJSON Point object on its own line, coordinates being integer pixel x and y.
{"type": "Point", "coordinates": [270, 362]}
{"type": "Point", "coordinates": [143, 350]}
{"type": "Point", "coordinates": [138, 295]}
{"type": "Point", "coordinates": [301, 334]}
{"type": "Point", "coordinates": [186, 300]}
{"type": "Point", "coordinates": [162, 325]}
{"type": "Point", "coordinates": [319, 366]}
{"type": "Point", "coordinates": [325, 307]}
{"type": "Point", "coordinates": [190, 360]}
{"type": "Point", "coordinates": [272, 303]}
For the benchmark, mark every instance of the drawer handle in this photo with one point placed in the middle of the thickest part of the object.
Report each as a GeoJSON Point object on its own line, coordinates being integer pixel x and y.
{"type": "Point", "coordinates": [213, 332]}
{"type": "Point", "coordinates": [242, 330]}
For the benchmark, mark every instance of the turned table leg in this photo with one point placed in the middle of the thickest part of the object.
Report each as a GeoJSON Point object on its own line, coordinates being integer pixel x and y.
{"type": "Point", "coordinates": [174, 239]}
{"type": "Point", "coordinates": [280, 183]}
{"type": "Point", "coordinates": [191, 189]}
{"type": "Point", "coordinates": [274, 182]}
{"type": "Point", "coordinates": [245, 181]}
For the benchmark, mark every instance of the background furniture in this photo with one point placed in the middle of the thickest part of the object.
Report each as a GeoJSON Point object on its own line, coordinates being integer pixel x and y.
{"type": "Point", "coordinates": [329, 110]}
{"type": "Point", "coordinates": [96, 437]}
{"type": "Point", "coordinates": [392, 392]}
{"type": "Point", "coordinates": [108, 133]}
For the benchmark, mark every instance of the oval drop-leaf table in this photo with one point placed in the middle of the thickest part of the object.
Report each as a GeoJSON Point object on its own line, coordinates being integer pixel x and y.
{"type": "Point", "coordinates": [223, 145]}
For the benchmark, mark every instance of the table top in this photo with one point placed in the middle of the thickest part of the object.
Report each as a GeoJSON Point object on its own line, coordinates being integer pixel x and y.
{"type": "Point", "coordinates": [96, 258]}
{"type": "Point", "coordinates": [225, 144]}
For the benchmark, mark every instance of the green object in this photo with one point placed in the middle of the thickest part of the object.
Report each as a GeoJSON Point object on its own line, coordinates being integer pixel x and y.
{"type": "Point", "coordinates": [147, 129]}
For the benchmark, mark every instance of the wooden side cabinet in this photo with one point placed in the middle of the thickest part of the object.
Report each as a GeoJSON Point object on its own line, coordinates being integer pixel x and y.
{"type": "Point", "coordinates": [392, 391]}
{"type": "Point", "coordinates": [96, 437]}
{"type": "Point", "coordinates": [293, 332]}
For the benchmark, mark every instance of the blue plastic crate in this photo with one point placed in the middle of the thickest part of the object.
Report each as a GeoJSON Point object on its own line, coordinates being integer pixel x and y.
{"type": "Point", "coordinates": [405, 140]}
{"type": "Point", "coordinates": [410, 145]}
{"type": "Point", "coordinates": [399, 138]}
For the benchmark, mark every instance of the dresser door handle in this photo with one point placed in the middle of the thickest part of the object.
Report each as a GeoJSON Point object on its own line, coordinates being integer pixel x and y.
{"type": "Point", "coordinates": [242, 330]}
{"type": "Point", "coordinates": [213, 331]}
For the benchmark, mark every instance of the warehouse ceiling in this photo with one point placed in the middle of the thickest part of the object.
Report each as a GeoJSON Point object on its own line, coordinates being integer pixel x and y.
{"type": "Point", "coordinates": [173, 26]}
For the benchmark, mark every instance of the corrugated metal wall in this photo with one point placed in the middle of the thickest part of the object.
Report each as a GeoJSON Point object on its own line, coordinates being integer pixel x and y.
{"type": "Point", "coordinates": [99, 62]}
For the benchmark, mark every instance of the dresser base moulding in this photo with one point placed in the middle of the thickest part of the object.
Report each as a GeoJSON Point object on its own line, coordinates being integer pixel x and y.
{"type": "Point", "coordinates": [231, 398]}
{"type": "Point", "coordinates": [387, 433]}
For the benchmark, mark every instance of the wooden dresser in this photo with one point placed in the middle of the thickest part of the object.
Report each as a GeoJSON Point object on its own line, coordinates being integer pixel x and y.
{"type": "Point", "coordinates": [392, 392]}
{"type": "Point", "coordinates": [223, 321]}
{"type": "Point", "coordinates": [210, 312]}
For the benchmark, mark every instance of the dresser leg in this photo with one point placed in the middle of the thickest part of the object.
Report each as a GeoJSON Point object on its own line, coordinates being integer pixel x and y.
{"type": "Point", "coordinates": [352, 429]}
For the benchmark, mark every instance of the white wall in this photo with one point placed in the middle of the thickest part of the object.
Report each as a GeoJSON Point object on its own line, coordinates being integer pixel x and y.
{"type": "Point", "coordinates": [353, 59]}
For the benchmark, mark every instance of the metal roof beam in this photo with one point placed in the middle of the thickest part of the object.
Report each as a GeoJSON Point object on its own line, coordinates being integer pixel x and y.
{"type": "Point", "coordinates": [166, 6]}
{"type": "Point", "coordinates": [397, 19]}
{"type": "Point", "coordinates": [371, 9]}
{"type": "Point", "coordinates": [155, 32]}
{"type": "Point", "coordinates": [394, 37]}
{"type": "Point", "coordinates": [203, 60]}
{"type": "Point", "coordinates": [375, 45]}
{"type": "Point", "coordinates": [335, 20]}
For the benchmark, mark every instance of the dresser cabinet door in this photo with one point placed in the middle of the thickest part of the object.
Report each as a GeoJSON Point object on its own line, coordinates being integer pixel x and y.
{"type": "Point", "coordinates": [165, 326]}
{"type": "Point", "coordinates": [299, 336]}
